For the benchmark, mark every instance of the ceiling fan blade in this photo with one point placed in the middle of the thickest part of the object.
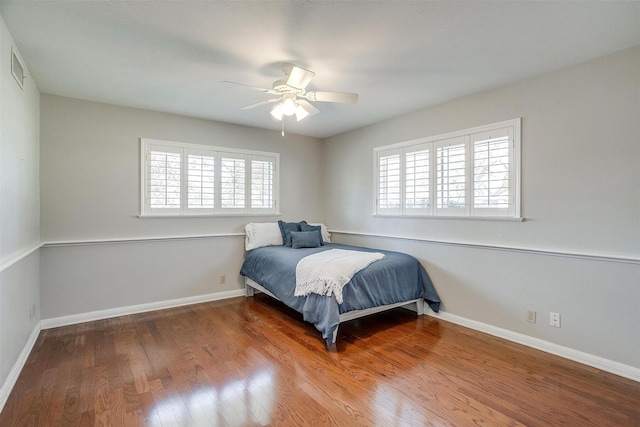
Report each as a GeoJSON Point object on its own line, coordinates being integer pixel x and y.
{"type": "Point", "coordinates": [308, 106]}
{"type": "Point", "coordinates": [299, 77]}
{"type": "Point", "coordinates": [342, 97]}
{"type": "Point", "coordinates": [258, 104]}
{"type": "Point", "coordinates": [260, 89]}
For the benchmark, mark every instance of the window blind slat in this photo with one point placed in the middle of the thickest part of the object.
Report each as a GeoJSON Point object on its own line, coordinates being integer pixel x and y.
{"type": "Point", "coordinates": [165, 177]}
{"type": "Point", "coordinates": [232, 179]}
{"type": "Point", "coordinates": [200, 179]}
{"type": "Point", "coordinates": [389, 182]}
{"type": "Point", "coordinates": [262, 184]}
{"type": "Point", "coordinates": [451, 179]}
{"type": "Point", "coordinates": [491, 173]}
{"type": "Point", "coordinates": [417, 180]}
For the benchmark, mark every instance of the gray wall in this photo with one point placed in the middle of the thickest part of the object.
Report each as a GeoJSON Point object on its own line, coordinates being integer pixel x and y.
{"type": "Point", "coordinates": [19, 212]}
{"type": "Point", "coordinates": [580, 195]}
{"type": "Point", "coordinates": [90, 191]}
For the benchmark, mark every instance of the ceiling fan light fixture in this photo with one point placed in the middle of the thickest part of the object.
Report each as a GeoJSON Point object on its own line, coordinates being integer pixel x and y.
{"type": "Point", "coordinates": [277, 112]}
{"type": "Point", "coordinates": [288, 106]}
{"type": "Point", "coordinates": [301, 113]}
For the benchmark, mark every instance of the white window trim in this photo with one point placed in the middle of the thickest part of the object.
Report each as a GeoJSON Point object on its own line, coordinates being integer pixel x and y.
{"type": "Point", "coordinates": [468, 212]}
{"type": "Point", "coordinates": [217, 152]}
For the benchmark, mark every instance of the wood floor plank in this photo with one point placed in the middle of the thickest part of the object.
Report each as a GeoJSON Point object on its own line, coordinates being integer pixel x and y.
{"type": "Point", "coordinates": [101, 396]}
{"type": "Point", "coordinates": [253, 361]}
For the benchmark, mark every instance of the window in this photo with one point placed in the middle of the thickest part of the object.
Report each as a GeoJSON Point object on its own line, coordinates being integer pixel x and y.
{"type": "Point", "coordinates": [262, 170]}
{"type": "Point", "coordinates": [451, 176]}
{"type": "Point", "coordinates": [188, 179]}
{"type": "Point", "coordinates": [200, 178]}
{"type": "Point", "coordinates": [389, 182]}
{"type": "Point", "coordinates": [473, 173]}
{"type": "Point", "coordinates": [416, 189]}
{"type": "Point", "coordinates": [232, 181]}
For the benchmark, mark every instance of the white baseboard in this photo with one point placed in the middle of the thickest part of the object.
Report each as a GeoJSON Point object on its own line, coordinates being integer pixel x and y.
{"type": "Point", "coordinates": [135, 309]}
{"type": "Point", "coordinates": [568, 353]}
{"type": "Point", "coordinates": [5, 391]}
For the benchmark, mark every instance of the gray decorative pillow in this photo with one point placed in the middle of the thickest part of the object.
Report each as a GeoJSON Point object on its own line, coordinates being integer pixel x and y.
{"type": "Point", "coordinates": [306, 227]}
{"type": "Point", "coordinates": [286, 228]}
{"type": "Point", "coordinates": [305, 239]}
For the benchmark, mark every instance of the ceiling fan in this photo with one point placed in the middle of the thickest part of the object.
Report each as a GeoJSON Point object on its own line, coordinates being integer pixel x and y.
{"type": "Point", "coordinates": [292, 96]}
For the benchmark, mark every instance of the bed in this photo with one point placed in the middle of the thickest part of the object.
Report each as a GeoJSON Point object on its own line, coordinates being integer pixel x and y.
{"type": "Point", "coordinates": [397, 279]}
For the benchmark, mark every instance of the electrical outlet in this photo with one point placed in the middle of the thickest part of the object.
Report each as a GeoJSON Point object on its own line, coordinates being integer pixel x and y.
{"type": "Point", "coordinates": [531, 316]}
{"type": "Point", "coordinates": [554, 320]}
{"type": "Point", "coordinates": [32, 311]}
{"type": "Point", "coordinates": [223, 279]}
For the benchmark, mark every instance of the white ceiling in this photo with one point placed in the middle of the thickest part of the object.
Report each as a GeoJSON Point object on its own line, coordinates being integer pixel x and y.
{"type": "Point", "coordinates": [171, 56]}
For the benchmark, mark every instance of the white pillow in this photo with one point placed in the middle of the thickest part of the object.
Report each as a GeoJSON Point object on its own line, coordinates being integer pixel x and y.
{"type": "Point", "coordinates": [326, 236]}
{"type": "Point", "coordinates": [262, 234]}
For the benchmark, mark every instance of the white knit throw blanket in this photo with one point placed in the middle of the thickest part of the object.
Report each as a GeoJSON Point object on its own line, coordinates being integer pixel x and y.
{"type": "Point", "coordinates": [327, 272]}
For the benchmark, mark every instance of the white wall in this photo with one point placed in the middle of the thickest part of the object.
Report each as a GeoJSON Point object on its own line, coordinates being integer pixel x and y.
{"type": "Point", "coordinates": [90, 190]}
{"type": "Point", "coordinates": [19, 214]}
{"type": "Point", "coordinates": [580, 194]}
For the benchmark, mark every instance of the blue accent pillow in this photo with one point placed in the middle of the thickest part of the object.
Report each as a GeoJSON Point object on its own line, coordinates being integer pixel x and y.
{"type": "Point", "coordinates": [306, 227]}
{"type": "Point", "coordinates": [286, 228]}
{"type": "Point", "coordinates": [305, 239]}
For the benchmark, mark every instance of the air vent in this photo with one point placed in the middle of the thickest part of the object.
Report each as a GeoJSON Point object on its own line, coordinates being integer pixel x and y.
{"type": "Point", "coordinates": [16, 68]}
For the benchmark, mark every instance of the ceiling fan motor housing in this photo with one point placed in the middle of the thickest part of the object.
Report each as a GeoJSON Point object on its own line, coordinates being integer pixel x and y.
{"type": "Point", "coordinates": [293, 97]}
{"type": "Point", "coordinates": [282, 86]}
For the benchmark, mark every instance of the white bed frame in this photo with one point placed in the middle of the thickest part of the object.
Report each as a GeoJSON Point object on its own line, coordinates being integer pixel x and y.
{"type": "Point", "coordinates": [252, 286]}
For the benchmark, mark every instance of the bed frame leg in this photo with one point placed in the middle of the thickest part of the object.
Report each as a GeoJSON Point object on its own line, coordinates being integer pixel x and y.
{"type": "Point", "coordinates": [334, 338]}
{"type": "Point", "coordinates": [420, 307]}
{"type": "Point", "coordinates": [248, 290]}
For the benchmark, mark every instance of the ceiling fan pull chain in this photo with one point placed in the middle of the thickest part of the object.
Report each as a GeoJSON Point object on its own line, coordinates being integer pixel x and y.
{"type": "Point", "coordinates": [282, 126]}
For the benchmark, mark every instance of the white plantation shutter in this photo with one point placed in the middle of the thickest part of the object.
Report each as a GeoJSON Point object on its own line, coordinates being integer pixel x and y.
{"type": "Point", "coordinates": [474, 172]}
{"type": "Point", "coordinates": [451, 176]}
{"type": "Point", "coordinates": [492, 171]}
{"type": "Point", "coordinates": [417, 180]}
{"type": "Point", "coordinates": [389, 182]}
{"type": "Point", "coordinates": [232, 181]}
{"type": "Point", "coordinates": [200, 180]}
{"type": "Point", "coordinates": [262, 183]}
{"type": "Point", "coordinates": [164, 177]}
{"type": "Point", "coordinates": [189, 179]}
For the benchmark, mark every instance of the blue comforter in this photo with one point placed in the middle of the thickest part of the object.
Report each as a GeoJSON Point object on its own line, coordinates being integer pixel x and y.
{"type": "Point", "coordinates": [396, 278]}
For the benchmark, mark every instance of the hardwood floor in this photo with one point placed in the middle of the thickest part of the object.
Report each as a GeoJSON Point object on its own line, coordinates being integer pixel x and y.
{"type": "Point", "coordinates": [252, 361]}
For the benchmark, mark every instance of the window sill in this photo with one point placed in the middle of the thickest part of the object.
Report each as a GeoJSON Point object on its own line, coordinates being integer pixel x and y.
{"type": "Point", "coordinates": [464, 218]}
{"type": "Point", "coordinates": [226, 215]}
